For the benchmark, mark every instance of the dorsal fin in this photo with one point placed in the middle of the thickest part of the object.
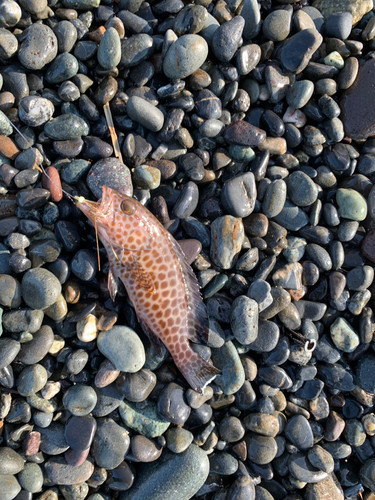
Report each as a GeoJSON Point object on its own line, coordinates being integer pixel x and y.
{"type": "Point", "coordinates": [197, 315]}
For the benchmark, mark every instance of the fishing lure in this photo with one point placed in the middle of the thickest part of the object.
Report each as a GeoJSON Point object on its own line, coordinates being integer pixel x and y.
{"type": "Point", "coordinates": [158, 279]}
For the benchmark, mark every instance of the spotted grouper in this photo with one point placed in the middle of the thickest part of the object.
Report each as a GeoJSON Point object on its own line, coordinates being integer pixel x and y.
{"type": "Point", "coordinates": [158, 279]}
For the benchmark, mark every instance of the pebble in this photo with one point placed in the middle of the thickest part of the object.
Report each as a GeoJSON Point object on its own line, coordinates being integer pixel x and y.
{"type": "Point", "coordinates": [9, 487]}
{"type": "Point", "coordinates": [40, 288]}
{"type": "Point", "coordinates": [66, 127]}
{"type": "Point", "coordinates": [186, 471]}
{"type": "Point", "coordinates": [109, 50]}
{"type": "Point", "coordinates": [244, 319]}
{"type": "Point", "coordinates": [227, 39]}
{"type": "Point", "coordinates": [145, 113]}
{"type": "Point", "coordinates": [299, 432]}
{"type": "Point", "coordinates": [352, 205]}
{"type": "Point", "coordinates": [146, 421]}
{"type": "Point", "coordinates": [110, 444]}
{"type": "Point", "coordinates": [185, 56]}
{"type": "Point", "coordinates": [122, 346]}
{"type": "Point", "coordinates": [171, 405]}
{"type": "Point", "coordinates": [61, 473]}
{"type": "Point", "coordinates": [239, 194]}
{"type": "Point", "coordinates": [38, 47]}
{"type": "Point", "coordinates": [112, 173]}
{"type": "Point", "coordinates": [224, 246]}
{"type": "Point", "coordinates": [307, 42]}
{"type": "Point", "coordinates": [11, 461]}
{"type": "Point", "coordinates": [232, 374]}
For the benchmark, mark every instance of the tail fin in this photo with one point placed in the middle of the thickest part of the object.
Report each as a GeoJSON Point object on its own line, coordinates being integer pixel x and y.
{"type": "Point", "coordinates": [197, 372]}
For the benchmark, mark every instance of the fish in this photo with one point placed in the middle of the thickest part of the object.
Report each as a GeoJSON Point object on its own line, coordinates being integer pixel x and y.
{"type": "Point", "coordinates": [159, 281]}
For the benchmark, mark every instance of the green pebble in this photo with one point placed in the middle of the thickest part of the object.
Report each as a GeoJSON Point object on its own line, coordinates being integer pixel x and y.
{"type": "Point", "coordinates": [215, 285]}
{"type": "Point", "coordinates": [241, 153]}
{"type": "Point", "coordinates": [146, 421]}
{"type": "Point", "coordinates": [64, 67]}
{"type": "Point", "coordinates": [343, 335]}
{"type": "Point", "coordinates": [66, 127]}
{"type": "Point", "coordinates": [334, 59]}
{"type": "Point", "coordinates": [352, 205]}
{"type": "Point", "coordinates": [145, 177]}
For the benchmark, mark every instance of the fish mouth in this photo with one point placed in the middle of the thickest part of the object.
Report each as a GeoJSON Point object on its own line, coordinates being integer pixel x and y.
{"type": "Point", "coordinates": [95, 210]}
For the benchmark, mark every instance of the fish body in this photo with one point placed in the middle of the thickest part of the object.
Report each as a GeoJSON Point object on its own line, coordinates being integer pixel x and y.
{"type": "Point", "coordinates": [159, 281]}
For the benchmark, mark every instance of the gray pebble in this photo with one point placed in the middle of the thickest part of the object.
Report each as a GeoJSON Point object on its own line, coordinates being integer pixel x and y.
{"type": "Point", "coordinates": [123, 348]}
{"type": "Point", "coordinates": [40, 288]}
{"type": "Point", "coordinates": [244, 319]}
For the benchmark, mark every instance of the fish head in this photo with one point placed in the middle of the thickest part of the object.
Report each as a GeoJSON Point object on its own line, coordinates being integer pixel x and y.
{"type": "Point", "coordinates": [115, 216]}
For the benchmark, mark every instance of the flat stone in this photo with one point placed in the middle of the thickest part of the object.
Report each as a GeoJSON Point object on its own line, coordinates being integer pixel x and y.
{"type": "Point", "coordinates": [60, 472]}
{"type": "Point", "coordinates": [146, 421]}
{"type": "Point", "coordinates": [109, 172]}
{"type": "Point", "coordinates": [298, 50]}
{"type": "Point", "coordinates": [184, 472]}
{"type": "Point", "coordinates": [244, 134]}
{"type": "Point", "coordinates": [358, 101]}
{"type": "Point", "coordinates": [40, 288]}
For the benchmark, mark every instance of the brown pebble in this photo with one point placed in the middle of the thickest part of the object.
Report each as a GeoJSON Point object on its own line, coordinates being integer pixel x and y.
{"type": "Point", "coordinates": [106, 374]}
{"type": "Point", "coordinates": [298, 294]}
{"type": "Point", "coordinates": [96, 35]}
{"type": "Point", "coordinates": [8, 148]}
{"type": "Point", "coordinates": [275, 145]}
{"type": "Point", "coordinates": [106, 321]}
{"type": "Point", "coordinates": [6, 101]}
{"type": "Point", "coordinates": [72, 292]}
{"type": "Point", "coordinates": [52, 183]}
{"type": "Point", "coordinates": [334, 427]}
{"type": "Point", "coordinates": [30, 444]}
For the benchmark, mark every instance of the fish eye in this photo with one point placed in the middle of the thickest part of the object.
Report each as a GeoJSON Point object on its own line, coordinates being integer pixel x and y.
{"type": "Point", "coordinates": [127, 207]}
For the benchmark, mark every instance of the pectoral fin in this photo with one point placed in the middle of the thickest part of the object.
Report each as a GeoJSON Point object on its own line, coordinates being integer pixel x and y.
{"type": "Point", "coordinates": [112, 285]}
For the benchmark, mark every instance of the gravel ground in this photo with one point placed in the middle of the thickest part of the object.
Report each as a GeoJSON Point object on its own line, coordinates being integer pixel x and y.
{"type": "Point", "coordinates": [247, 130]}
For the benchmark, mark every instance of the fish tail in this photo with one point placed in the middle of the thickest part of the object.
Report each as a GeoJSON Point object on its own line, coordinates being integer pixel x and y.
{"type": "Point", "coordinates": [197, 372]}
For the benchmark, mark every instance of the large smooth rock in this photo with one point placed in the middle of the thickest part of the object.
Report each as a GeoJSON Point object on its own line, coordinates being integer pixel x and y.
{"type": "Point", "coordinates": [172, 476]}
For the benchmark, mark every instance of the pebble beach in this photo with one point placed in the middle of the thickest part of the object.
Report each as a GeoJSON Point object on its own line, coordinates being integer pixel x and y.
{"type": "Point", "coordinates": [248, 130]}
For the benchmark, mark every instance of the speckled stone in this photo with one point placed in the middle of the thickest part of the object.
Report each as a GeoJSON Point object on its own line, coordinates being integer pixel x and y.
{"type": "Point", "coordinates": [112, 173]}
